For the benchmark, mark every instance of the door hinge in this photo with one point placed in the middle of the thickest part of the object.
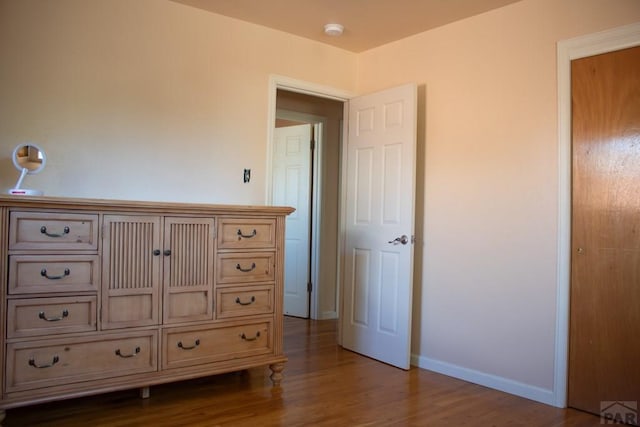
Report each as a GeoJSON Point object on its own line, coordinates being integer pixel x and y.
{"type": "Point", "coordinates": [309, 287]}
{"type": "Point", "coordinates": [313, 144]}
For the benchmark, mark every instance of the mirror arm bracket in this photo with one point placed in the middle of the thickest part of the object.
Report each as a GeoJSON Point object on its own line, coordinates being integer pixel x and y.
{"type": "Point", "coordinates": [24, 173]}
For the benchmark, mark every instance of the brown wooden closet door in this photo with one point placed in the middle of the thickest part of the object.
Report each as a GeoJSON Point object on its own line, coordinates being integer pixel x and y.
{"type": "Point", "coordinates": [604, 348]}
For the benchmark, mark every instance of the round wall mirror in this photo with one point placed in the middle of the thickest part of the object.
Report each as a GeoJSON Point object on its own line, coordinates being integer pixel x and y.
{"type": "Point", "coordinates": [28, 158]}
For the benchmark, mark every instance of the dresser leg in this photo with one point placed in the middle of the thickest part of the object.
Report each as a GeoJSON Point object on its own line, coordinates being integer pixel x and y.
{"type": "Point", "coordinates": [2, 415]}
{"type": "Point", "coordinates": [144, 392]}
{"type": "Point", "coordinates": [276, 373]}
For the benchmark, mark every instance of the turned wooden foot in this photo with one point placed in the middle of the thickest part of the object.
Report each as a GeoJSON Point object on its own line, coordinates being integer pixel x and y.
{"type": "Point", "coordinates": [2, 415]}
{"type": "Point", "coordinates": [276, 373]}
{"type": "Point", "coordinates": [144, 392]}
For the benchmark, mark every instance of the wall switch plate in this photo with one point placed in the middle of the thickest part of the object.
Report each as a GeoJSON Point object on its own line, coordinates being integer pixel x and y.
{"type": "Point", "coordinates": [247, 175]}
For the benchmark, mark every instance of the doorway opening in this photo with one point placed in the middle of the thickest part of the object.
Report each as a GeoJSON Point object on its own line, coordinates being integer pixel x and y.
{"type": "Point", "coordinates": [323, 114]}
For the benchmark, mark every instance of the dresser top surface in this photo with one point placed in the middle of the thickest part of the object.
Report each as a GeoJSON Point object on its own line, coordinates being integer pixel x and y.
{"type": "Point", "coordinates": [29, 202]}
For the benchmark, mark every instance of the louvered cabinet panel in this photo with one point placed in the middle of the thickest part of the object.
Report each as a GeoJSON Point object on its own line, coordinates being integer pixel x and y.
{"type": "Point", "coordinates": [130, 271]}
{"type": "Point", "coordinates": [188, 263]}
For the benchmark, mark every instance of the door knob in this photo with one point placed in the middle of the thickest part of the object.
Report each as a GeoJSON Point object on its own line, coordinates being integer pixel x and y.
{"type": "Point", "coordinates": [402, 239]}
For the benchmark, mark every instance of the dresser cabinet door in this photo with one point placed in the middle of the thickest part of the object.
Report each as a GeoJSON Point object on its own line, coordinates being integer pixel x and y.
{"type": "Point", "coordinates": [188, 269]}
{"type": "Point", "coordinates": [131, 271]}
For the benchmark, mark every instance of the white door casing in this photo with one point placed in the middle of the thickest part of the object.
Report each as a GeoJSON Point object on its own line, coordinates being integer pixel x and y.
{"type": "Point", "coordinates": [380, 195]}
{"type": "Point", "coordinates": [291, 187]}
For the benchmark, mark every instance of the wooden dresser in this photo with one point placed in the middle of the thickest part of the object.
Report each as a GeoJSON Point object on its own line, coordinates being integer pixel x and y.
{"type": "Point", "coordinates": [102, 295]}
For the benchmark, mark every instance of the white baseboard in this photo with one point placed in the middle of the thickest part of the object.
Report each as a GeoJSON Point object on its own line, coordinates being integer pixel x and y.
{"type": "Point", "coordinates": [492, 381]}
{"type": "Point", "coordinates": [326, 315]}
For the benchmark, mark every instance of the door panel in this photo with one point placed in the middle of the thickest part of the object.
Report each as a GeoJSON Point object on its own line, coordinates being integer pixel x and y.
{"type": "Point", "coordinates": [292, 187]}
{"type": "Point", "coordinates": [380, 193]}
{"type": "Point", "coordinates": [605, 271]}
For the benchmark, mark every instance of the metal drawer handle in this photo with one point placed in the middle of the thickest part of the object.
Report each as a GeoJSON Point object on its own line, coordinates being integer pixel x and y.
{"type": "Point", "coordinates": [244, 337]}
{"type": "Point", "coordinates": [253, 299]}
{"type": "Point", "coordinates": [247, 236]}
{"type": "Point", "coordinates": [65, 230]}
{"type": "Point", "coordinates": [196, 344]}
{"type": "Point", "coordinates": [124, 356]}
{"type": "Point", "coordinates": [65, 313]}
{"type": "Point", "coordinates": [43, 273]}
{"type": "Point", "coordinates": [32, 362]}
{"type": "Point", "coordinates": [246, 270]}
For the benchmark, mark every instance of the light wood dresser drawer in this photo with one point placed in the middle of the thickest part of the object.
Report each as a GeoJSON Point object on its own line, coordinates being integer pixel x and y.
{"type": "Point", "coordinates": [193, 346]}
{"type": "Point", "coordinates": [46, 231]}
{"type": "Point", "coordinates": [246, 233]}
{"type": "Point", "coordinates": [44, 316]}
{"type": "Point", "coordinates": [244, 301]}
{"type": "Point", "coordinates": [30, 274]}
{"type": "Point", "coordinates": [246, 267]}
{"type": "Point", "coordinates": [46, 363]}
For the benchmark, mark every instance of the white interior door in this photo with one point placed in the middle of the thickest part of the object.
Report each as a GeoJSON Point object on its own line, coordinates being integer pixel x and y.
{"type": "Point", "coordinates": [380, 194]}
{"type": "Point", "coordinates": [291, 187]}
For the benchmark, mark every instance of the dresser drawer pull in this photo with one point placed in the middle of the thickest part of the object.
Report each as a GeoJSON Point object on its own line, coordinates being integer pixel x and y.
{"type": "Point", "coordinates": [32, 362]}
{"type": "Point", "coordinates": [65, 230]}
{"type": "Point", "coordinates": [253, 299]}
{"type": "Point", "coordinates": [65, 313]}
{"type": "Point", "coordinates": [125, 356]}
{"type": "Point", "coordinates": [196, 344]}
{"type": "Point", "coordinates": [247, 236]}
{"type": "Point", "coordinates": [43, 273]}
{"type": "Point", "coordinates": [246, 270]}
{"type": "Point", "coordinates": [246, 338]}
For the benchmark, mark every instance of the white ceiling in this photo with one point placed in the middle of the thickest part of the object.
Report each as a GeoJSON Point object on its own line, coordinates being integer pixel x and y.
{"type": "Point", "coordinates": [367, 23]}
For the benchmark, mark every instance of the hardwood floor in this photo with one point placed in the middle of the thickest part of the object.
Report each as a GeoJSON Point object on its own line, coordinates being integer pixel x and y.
{"type": "Point", "coordinates": [324, 385]}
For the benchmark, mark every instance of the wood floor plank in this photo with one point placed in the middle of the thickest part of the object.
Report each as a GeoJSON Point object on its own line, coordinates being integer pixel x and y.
{"type": "Point", "coordinates": [324, 385]}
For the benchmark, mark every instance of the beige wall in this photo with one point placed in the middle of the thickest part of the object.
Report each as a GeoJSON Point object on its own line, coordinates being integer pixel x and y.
{"type": "Point", "coordinates": [487, 299]}
{"type": "Point", "coordinates": [146, 99]}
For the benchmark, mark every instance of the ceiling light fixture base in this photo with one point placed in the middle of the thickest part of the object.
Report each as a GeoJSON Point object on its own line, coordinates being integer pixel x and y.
{"type": "Point", "coordinates": [333, 29]}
